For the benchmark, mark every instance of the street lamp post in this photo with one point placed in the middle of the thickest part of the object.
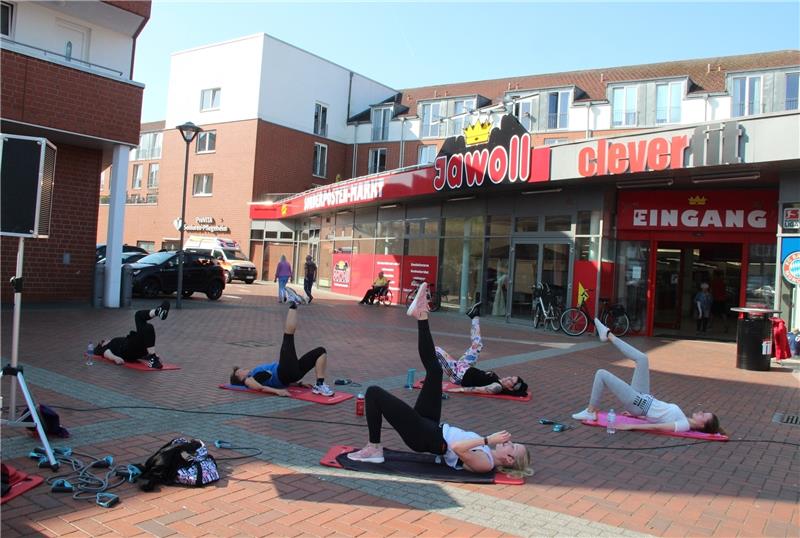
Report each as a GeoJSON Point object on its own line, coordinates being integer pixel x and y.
{"type": "Point", "coordinates": [188, 131]}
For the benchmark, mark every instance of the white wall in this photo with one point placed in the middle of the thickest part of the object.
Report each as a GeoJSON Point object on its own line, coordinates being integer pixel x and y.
{"type": "Point", "coordinates": [693, 110]}
{"type": "Point", "coordinates": [37, 26]}
{"type": "Point", "coordinates": [232, 66]}
{"type": "Point", "coordinates": [367, 92]}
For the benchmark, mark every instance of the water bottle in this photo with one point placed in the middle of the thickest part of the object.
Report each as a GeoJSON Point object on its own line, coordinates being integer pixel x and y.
{"type": "Point", "coordinates": [410, 378]}
{"type": "Point", "coordinates": [90, 354]}
{"type": "Point", "coordinates": [611, 422]}
{"type": "Point", "coordinates": [360, 405]}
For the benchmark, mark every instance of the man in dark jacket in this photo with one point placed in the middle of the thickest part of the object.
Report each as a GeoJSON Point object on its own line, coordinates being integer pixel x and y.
{"type": "Point", "coordinates": [310, 277]}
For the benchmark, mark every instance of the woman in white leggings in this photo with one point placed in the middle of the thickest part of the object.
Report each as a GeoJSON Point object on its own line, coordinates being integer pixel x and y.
{"type": "Point", "coordinates": [636, 398]}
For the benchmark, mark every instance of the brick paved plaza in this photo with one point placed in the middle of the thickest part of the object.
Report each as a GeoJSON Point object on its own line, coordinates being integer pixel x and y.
{"type": "Point", "coordinates": [602, 489]}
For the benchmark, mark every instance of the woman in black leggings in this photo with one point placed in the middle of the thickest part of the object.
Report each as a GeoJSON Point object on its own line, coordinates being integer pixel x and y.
{"type": "Point", "coordinates": [138, 345]}
{"type": "Point", "coordinates": [274, 377]}
{"type": "Point", "coordinates": [419, 427]}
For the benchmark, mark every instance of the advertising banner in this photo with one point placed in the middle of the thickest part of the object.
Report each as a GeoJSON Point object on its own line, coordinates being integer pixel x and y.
{"type": "Point", "coordinates": [415, 270]}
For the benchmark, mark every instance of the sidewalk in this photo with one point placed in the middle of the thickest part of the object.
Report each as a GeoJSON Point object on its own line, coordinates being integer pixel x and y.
{"type": "Point", "coordinates": [627, 484]}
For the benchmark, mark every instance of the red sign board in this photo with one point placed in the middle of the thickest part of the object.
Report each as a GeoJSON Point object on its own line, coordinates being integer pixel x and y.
{"type": "Point", "coordinates": [654, 154]}
{"type": "Point", "coordinates": [417, 269]}
{"type": "Point", "coordinates": [353, 274]}
{"type": "Point", "coordinates": [698, 211]}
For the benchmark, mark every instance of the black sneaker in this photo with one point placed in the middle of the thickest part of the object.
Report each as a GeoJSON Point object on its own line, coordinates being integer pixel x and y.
{"type": "Point", "coordinates": [474, 311]}
{"type": "Point", "coordinates": [292, 305]}
{"type": "Point", "coordinates": [154, 362]}
{"type": "Point", "coordinates": [163, 310]}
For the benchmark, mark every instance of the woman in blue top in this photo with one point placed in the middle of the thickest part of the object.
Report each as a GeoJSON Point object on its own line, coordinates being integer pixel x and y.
{"type": "Point", "coordinates": [274, 377]}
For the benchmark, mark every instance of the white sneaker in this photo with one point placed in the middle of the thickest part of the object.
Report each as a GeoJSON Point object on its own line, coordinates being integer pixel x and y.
{"type": "Point", "coordinates": [369, 454]}
{"type": "Point", "coordinates": [585, 415]}
{"type": "Point", "coordinates": [420, 302]}
{"type": "Point", "coordinates": [602, 330]}
{"type": "Point", "coordinates": [323, 390]}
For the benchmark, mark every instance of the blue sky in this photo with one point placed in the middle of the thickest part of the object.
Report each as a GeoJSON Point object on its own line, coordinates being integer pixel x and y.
{"type": "Point", "coordinates": [407, 44]}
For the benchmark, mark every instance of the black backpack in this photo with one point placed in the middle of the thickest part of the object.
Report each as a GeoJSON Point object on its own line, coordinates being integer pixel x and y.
{"type": "Point", "coordinates": [176, 460]}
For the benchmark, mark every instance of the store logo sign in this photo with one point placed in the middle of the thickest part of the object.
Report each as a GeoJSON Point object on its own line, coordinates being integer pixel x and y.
{"type": "Point", "coordinates": [791, 218]}
{"type": "Point", "coordinates": [700, 218]}
{"type": "Point", "coordinates": [654, 154]}
{"type": "Point", "coordinates": [791, 268]}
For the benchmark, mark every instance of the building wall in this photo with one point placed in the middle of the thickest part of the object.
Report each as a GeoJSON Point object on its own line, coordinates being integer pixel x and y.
{"type": "Point", "coordinates": [61, 267]}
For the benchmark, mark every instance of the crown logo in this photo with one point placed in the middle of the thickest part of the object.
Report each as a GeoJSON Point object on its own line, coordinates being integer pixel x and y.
{"type": "Point", "coordinates": [477, 133]}
{"type": "Point", "coordinates": [697, 200]}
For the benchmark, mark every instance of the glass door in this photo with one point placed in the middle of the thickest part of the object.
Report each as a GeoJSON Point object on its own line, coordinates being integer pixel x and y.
{"type": "Point", "coordinates": [669, 286]}
{"type": "Point", "coordinates": [526, 273]}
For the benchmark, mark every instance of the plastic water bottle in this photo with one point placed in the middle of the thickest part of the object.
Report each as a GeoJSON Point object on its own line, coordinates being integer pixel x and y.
{"type": "Point", "coordinates": [611, 422]}
{"type": "Point", "coordinates": [410, 378]}
{"type": "Point", "coordinates": [90, 354]}
{"type": "Point", "coordinates": [360, 405]}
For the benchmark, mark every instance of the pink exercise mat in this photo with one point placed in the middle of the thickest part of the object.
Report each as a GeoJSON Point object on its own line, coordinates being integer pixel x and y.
{"type": "Point", "coordinates": [142, 367]}
{"type": "Point", "coordinates": [298, 393]}
{"type": "Point", "coordinates": [624, 419]}
{"type": "Point", "coordinates": [447, 386]}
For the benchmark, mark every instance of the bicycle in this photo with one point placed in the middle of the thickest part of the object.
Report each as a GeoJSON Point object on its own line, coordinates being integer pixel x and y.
{"type": "Point", "coordinates": [549, 313]}
{"type": "Point", "coordinates": [434, 297]}
{"type": "Point", "coordinates": [574, 321]}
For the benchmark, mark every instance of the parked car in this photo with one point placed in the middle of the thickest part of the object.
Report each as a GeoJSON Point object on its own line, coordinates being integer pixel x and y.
{"type": "Point", "coordinates": [100, 251]}
{"type": "Point", "coordinates": [127, 257]}
{"type": "Point", "coordinates": [158, 273]}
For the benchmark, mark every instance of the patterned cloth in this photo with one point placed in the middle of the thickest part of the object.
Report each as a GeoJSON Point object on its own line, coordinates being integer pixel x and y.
{"type": "Point", "coordinates": [455, 369]}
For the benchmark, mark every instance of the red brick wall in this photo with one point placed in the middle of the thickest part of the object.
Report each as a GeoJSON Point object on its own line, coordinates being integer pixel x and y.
{"type": "Point", "coordinates": [42, 93]}
{"type": "Point", "coordinates": [73, 222]}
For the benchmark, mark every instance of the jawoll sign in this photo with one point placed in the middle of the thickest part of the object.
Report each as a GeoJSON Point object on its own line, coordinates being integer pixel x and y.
{"type": "Point", "coordinates": [489, 154]}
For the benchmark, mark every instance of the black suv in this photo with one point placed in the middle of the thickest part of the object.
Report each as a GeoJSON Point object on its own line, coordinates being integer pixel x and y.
{"type": "Point", "coordinates": [100, 251]}
{"type": "Point", "coordinates": [158, 273]}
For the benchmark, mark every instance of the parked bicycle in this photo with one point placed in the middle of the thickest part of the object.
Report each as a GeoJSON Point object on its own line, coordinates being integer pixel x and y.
{"type": "Point", "coordinates": [575, 320]}
{"type": "Point", "coordinates": [546, 308]}
{"type": "Point", "coordinates": [434, 296]}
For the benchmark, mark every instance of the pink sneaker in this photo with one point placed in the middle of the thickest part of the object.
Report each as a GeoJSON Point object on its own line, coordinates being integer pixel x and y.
{"type": "Point", "coordinates": [420, 302]}
{"type": "Point", "coordinates": [369, 454]}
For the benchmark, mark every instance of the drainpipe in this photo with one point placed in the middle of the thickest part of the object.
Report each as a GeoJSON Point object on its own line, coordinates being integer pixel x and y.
{"type": "Point", "coordinates": [402, 141]}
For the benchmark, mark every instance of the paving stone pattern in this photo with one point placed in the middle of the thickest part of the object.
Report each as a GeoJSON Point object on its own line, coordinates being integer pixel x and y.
{"type": "Point", "coordinates": [586, 483]}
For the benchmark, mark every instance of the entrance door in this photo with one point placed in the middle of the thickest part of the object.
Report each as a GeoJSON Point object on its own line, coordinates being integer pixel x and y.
{"type": "Point", "coordinates": [669, 263]}
{"type": "Point", "coordinates": [546, 262]}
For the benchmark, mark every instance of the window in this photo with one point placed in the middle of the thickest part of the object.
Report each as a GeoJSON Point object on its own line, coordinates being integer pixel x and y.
{"type": "Point", "coordinates": [206, 142]}
{"type": "Point", "coordinates": [377, 160]}
{"type": "Point", "coordinates": [431, 117]}
{"type": "Point", "coordinates": [746, 96]}
{"type": "Point", "coordinates": [554, 141]}
{"type": "Point", "coordinates": [557, 110]}
{"type": "Point", "coordinates": [461, 109]}
{"type": "Point", "coordinates": [7, 11]}
{"type": "Point", "coordinates": [523, 110]}
{"type": "Point", "coordinates": [623, 106]}
{"type": "Point", "coordinates": [202, 185]}
{"type": "Point", "coordinates": [791, 91]}
{"type": "Point", "coordinates": [320, 120]}
{"type": "Point", "coordinates": [380, 123]}
{"type": "Point", "coordinates": [668, 102]}
{"type": "Point", "coordinates": [136, 177]}
{"type": "Point", "coordinates": [320, 160]}
{"type": "Point", "coordinates": [152, 176]}
{"type": "Point", "coordinates": [209, 99]}
{"type": "Point", "coordinates": [149, 246]}
{"type": "Point", "coordinates": [149, 147]}
{"type": "Point", "coordinates": [426, 154]}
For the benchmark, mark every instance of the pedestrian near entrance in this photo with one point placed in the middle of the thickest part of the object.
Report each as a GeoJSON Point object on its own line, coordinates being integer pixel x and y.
{"type": "Point", "coordinates": [282, 275]}
{"type": "Point", "coordinates": [310, 277]}
{"type": "Point", "coordinates": [702, 305]}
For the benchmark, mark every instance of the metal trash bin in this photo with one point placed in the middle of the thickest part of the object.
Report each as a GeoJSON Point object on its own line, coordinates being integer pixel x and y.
{"type": "Point", "coordinates": [126, 286]}
{"type": "Point", "coordinates": [97, 291]}
{"type": "Point", "coordinates": [754, 343]}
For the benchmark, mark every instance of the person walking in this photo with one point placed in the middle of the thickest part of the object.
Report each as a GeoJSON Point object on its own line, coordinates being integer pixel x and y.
{"type": "Point", "coordinates": [310, 277]}
{"type": "Point", "coordinates": [282, 275]}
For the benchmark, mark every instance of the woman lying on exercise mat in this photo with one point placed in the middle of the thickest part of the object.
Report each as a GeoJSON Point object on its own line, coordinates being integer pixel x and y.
{"type": "Point", "coordinates": [138, 345]}
{"type": "Point", "coordinates": [636, 397]}
{"type": "Point", "coordinates": [462, 371]}
{"type": "Point", "coordinates": [419, 427]}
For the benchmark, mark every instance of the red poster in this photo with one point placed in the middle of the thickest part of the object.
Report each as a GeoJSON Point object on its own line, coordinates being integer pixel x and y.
{"type": "Point", "coordinates": [340, 279]}
{"type": "Point", "coordinates": [390, 265]}
{"type": "Point", "coordinates": [417, 269]}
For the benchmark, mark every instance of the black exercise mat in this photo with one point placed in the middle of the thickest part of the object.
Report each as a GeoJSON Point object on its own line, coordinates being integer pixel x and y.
{"type": "Point", "coordinates": [416, 465]}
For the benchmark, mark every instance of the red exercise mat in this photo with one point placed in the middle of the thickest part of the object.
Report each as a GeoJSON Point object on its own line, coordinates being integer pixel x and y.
{"type": "Point", "coordinates": [446, 386]}
{"type": "Point", "coordinates": [298, 393]}
{"type": "Point", "coordinates": [625, 419]}
{"type": "Point", "coordinates": [138, 365]}
{"type": "Point", "coordinates": [20, 483]}
{"type": "Point", "coordinates": [416, 465]}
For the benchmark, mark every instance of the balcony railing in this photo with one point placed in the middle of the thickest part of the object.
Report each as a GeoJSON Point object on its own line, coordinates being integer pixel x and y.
{"type": "Point", "coordinates": [133, 198]}
{"type": "Point", "coordinates": [25, 48]}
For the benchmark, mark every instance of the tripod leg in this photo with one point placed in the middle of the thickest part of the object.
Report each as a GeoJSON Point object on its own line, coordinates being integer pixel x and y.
{"type": "Point", "coordinates": [38, 421]}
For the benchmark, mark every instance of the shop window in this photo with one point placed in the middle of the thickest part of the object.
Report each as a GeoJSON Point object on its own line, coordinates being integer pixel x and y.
{"type": "Point", "coordinates": [668, 102]}
{"type": "Point", "coordinates": [364, 246]}
{"type": "Point", "coordinates": [422, 246]}
{"type": "Point", "coordinates": [526, 224]}
{"type": "Point", "coordinates": [746, 96]}
{"type": "Point", "coordinates": [377, 160]}
{"type": "Point", "coordinates": [461, 109]}
{"type": "Point", "coordinates": [380, 123]}
{"type": "Point", "coordinates": [557, 223]}
{"type": "Point", "coordinates": [206, 142]}
{"type": "Point", "coordinates": [761, 276]}
{"type": "Point", "coordinates": [6, 18]}
{"type": "Point", "coordinates": [202, 185]}
{"type": "Point", "coordinates": [631, 280]}
{"type": "Point", "coordinates": [344, 224]}
{"type": "Point", "coordinates": [286, 235]}
{"type": "Point", "coordinates": [623, 106]}
{"type": "Point", "coordinates": [791, 91]}
{"type": "Point", "coordinates": [270, 235]}
{"type": "Point", "coordinates": [460, 287]}
{"type": "Point", "coordinates": [324, 268]}
{"type": "Point", "coordinates": [586, 248]}
{"type": "Point", "coordinates": [327, 231]}
{"type": "Point", "coordinates": [431, 120]}
{"type": "Point", "coordinates": [210, 99]}
{"type": "Point", "coordinates": [499, 225]}
{"type": "Point", "coordinates": [497, 285]}
{"type": "Point", "coordinates": [320, 120]}
{"type": "Point", "coordinates": [152, 176]}
{"type": "Point", "coordinates": [558, 110]}
{"type": "Point", "coordinates": [588, 223]}
{"type": "Point", "coordinates": [257, 234]}
{"type": "Point", "coordinates": [343, 247]}
{"type": "Point", "coordinates": [461, 227]}
{"type": "Point", "coordinates": [320, 160]}
{"type": "Point", "coordinates": [390, 237]}
{"type": "Point", "coordinates": [426, 154]}
{"type": "Point", "coordinates": [136, 176]}
{"type": "Point", "coordinates": [363, 230]}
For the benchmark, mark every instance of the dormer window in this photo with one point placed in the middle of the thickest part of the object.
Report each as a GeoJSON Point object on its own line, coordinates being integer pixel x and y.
{"type": "Point", "coordinates": [668, 102]}
{"type": "Point", "coordinates": [431, 120]}
{"type": "Point", "coordinates": [380, 123]}
{"type": "Point", "coordinates": [791, 91]}
{"type": "Point", "coordinates": [746, 93]}
{"type": "Point", "coordinates": [461, 119]}
{"type": "Point", "coordinates": [558, 110]}
{"type": "Point", "coordinates": [524, 111]}
{"type": "Point", "coordinates": [623, 106]}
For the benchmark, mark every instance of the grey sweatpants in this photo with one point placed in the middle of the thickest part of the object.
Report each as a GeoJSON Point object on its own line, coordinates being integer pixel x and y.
{"type": "Point", "coordinates": [628, 395]}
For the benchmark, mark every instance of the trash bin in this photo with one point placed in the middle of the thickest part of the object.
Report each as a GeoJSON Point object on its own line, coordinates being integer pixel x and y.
{"type": "Point", "coordinates": [754, 343]}
{"type": "Point", "coordinates": [126, 287]}
{"type": "Point", "coordinates": [97, 291]}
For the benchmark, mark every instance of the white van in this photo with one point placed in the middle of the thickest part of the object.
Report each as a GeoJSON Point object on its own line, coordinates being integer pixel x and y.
{"type": "Point", "coordinates": [228, 253]}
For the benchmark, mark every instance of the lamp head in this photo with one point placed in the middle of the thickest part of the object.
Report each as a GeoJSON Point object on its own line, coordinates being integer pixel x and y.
{"type": "Point", "coordinates": [188, 131]}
